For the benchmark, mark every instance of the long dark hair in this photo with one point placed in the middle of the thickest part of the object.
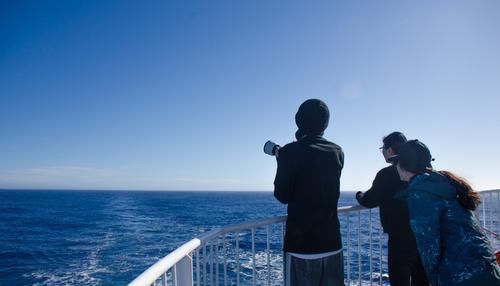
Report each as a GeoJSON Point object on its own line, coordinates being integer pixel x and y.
{"type": "Point", "coordinates": [466, 196]}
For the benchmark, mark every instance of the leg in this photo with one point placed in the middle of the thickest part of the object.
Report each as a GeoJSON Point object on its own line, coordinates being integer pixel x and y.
{"type": "Point", "coordinates": [418, 277]}
{"type": "Point", "coordinates": [302, 272]}
{"type": "Point", "coordinates": [333, 270]}
{"type": "Point", "coordinates": [286, 269]}
{"type": "Point", "coordinates": [399, 261]}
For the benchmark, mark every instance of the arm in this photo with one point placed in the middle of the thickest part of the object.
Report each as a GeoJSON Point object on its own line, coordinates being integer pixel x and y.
{"type": "Point", "coordinates": [425, 212]}
{"type": "Point", "coordinates": [373, 197]}
{"type": "Point", "coordinates": [283, 182]}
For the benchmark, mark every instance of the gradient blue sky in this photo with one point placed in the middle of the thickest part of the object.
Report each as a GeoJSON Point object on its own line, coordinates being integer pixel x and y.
{"type": "Point", "coordinates": [181, 95]}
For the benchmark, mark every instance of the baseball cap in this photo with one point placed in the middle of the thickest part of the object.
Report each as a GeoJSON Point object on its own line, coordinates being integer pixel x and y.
{"type": "Point", "coordinates": [414, 156]}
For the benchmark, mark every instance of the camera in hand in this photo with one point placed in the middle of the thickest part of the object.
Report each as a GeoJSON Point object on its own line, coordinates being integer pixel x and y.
{"type": "Point", "coordinates": [270, 148]}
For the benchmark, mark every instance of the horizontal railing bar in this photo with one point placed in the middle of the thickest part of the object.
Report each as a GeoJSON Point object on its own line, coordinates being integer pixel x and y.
{"type": "Point", "coordinates": [152, 273]}
{"type": "Point", "coordinates": [258, 223]}
{"type": "Point", "coordinates": [488, 191]}
{"type": "Point", "coordinates": [246, 225]}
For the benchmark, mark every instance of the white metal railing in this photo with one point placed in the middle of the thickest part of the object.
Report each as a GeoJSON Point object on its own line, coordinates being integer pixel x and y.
{"type": "Point", "coordinates": [250, 253]}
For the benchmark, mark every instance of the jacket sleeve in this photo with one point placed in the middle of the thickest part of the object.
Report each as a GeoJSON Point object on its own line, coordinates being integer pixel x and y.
{"type": "Point", "coordinates": [285, 174]}
{"type": "Point", "coordinates": [374, 196]}
{"type": "Point", "coordinates": [425, 215]}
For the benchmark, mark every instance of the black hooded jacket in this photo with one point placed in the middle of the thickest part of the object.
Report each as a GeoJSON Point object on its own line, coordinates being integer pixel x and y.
{"type": "Point", "coordinates": [393, 211]}
{"type": "Point", "coordinates": [308, 180]}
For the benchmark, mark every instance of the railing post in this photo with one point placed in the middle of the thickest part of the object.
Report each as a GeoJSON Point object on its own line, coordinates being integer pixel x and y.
{"type": "Point", "coordinates": [204, 264]}
{"type": "Point", "coordinates": [371, 247]}
{"type": "Point", "coordinates": [283, 230]}
{"type": "Point", "coordinates": [238, 258]}
{"type": "Point", "coordinates": [184, 271]}
{"type": "Point", "coordinates": [348, 249]}
{"type": "Point", "coordinates": [484, 211]}
{"type": "Point", "coordinates": [225, 258]}
{"type": "Point", "coordinates": [380, 251]}
{"type": "Point", "coordinates": [268, 256]}
{"type": "Point", "coordinates": [359, 248]}
{"type": "Point", "coordinates": [254, 272]}
{"type": "Point", "coordinates": [491, 216]}
{"type": "Point", "coordinates": [198, 267]}
{"type": "Point", "coordinates": [498, 212]}
{"type": "Point", "coordinates": [217, 261]}
{"type": "Point", "coordinates": [211, 258]}
{"type": "Point", "coordinates": [174, 275]}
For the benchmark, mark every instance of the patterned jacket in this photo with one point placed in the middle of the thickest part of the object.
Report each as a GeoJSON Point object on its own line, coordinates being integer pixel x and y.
{"type": "Point", "coordinates": [453, 247]}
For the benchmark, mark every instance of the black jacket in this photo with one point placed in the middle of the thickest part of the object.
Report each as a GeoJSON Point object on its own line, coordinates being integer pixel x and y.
{"type": "Point", "coordinates": [393, 211]}
{"type": "Point", "coordinates": [308, 180]}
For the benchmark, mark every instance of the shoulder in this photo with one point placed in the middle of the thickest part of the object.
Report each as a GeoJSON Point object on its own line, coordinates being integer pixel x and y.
{"type": "Point", "coordinates": [435, 185]}
{"type": "Point", "coordinates": [427, 188]}
{"type": "Point", "coordinates": [333, 147]}
{"type": "Point", "coordinates": [290, 147]}
{"type": "Point", "coordinates": [419, 183]}
{"type": "Point", "coordinates": [289, 150]}
{"type": "Point", "coordinates": [432, 182]}
{"type": "Point", "coordinates": [388, 173]}
{"type": "Point", "coordinates": [420, 179]}
{"type": "Point", "coordinates": [422, 182]}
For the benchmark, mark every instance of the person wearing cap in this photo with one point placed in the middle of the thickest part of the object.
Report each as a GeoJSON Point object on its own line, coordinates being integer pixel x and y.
{"type": "Point", "coordinates": [308, 180]}
{"type": "Point", "coordinates": [405, 267]}
{"type": "Point", "coordinates": [453, 247]}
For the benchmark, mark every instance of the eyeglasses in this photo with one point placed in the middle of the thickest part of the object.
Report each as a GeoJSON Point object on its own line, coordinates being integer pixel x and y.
{"type": "Point", "coordinates": [381, 148]}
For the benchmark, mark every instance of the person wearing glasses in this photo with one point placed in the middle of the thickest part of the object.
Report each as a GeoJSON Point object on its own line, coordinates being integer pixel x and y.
{"type": "Point", "coordinates": [453, 247]}
{"type": "Point", "coordinates": [405, 267]}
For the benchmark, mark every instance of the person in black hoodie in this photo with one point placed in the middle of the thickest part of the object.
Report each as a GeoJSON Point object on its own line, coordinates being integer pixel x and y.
{"type": "Point", "coordinates": [308, 180]}
{"type": "Point", "coordinates": [405, 267]}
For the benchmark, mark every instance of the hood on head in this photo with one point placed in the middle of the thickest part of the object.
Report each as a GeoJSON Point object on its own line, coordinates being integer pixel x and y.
{"type": "Point", "coordinates": [312, 118]}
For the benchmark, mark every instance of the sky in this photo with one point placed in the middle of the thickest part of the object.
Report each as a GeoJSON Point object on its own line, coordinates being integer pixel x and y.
{"type": "Point", "coordinates": [182, 95]}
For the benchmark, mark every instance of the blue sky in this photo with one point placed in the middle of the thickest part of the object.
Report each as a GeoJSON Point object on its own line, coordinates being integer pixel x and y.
{"type": "Point", "coordinates": [181, 95]}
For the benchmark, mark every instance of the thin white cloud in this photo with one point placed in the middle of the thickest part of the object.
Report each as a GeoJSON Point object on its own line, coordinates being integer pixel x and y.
{"type": "Point", "coordinates": [120, 178]}
{"type": "Point", "coordinates": [56, 177]}
{"type": "Point", "coordinates": [70, 171]}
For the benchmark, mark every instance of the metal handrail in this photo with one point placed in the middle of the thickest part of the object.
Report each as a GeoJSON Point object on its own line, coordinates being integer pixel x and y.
{"type": "Point", "coordinates": [160, 268]}
{"type": "Point", "coordinates": [149, 276]}
{"type": "Point", "coordinates": [258, 223]}
{"type": "Point", "coordinates": [204, 238]}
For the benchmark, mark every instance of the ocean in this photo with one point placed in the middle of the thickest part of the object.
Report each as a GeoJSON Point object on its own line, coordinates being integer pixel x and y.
{"type": "Point", "coordinates": [110, 237]}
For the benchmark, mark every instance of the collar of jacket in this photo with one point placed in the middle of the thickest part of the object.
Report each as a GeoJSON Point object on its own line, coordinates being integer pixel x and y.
{"type": "Point", "coordinates": [305, 137]}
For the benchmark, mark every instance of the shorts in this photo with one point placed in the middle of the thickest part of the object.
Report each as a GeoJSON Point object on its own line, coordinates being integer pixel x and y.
{"type": "Point", "coordinates": [327, 271]}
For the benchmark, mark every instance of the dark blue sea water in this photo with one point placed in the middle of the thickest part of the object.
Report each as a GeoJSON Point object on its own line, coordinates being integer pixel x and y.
{"type": "Point", "coordinates": [108, 238]}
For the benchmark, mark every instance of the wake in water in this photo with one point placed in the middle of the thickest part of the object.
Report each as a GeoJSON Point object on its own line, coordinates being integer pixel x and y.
{"type": "Point", "coordinates": [109, 238]}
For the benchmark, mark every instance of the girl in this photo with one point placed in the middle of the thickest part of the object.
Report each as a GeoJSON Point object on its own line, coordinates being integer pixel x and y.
{"type": "Point", "coordinates": [453, 248]}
